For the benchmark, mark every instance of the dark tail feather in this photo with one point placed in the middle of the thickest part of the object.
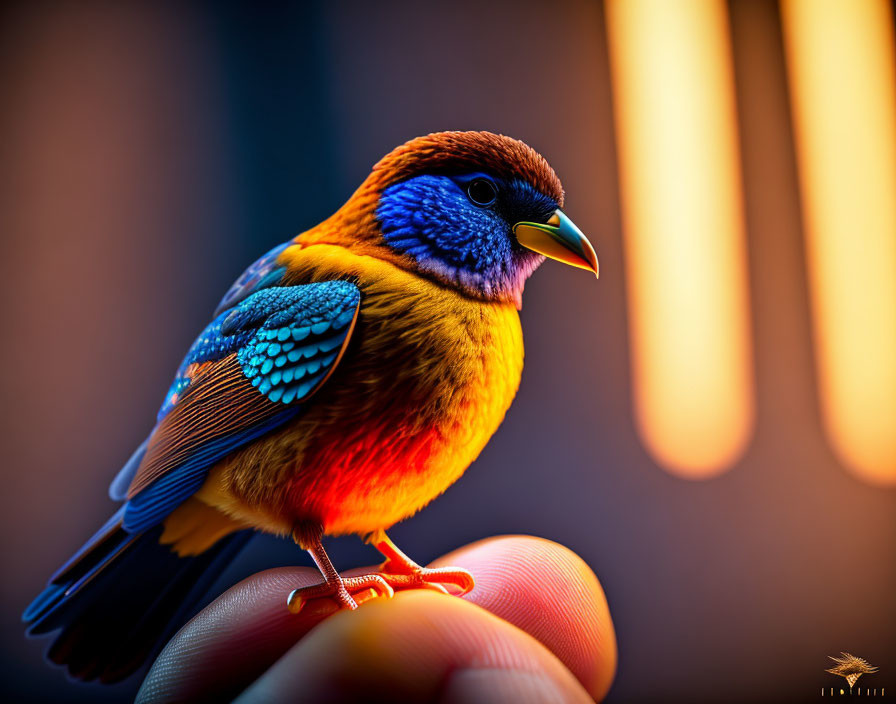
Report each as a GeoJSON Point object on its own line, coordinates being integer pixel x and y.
{"type": "Point", "coordinates": [121, 598]}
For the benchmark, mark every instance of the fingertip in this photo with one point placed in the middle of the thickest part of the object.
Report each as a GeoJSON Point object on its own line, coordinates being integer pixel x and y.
{"type": "Point", "coordinates": [548, 591]}
{"type": "Point", "coordinates": [417, 647]}
{"type": "Point", "coordinates": [234, 639]}
{"type": "Point", "coordinates": [542, 588]}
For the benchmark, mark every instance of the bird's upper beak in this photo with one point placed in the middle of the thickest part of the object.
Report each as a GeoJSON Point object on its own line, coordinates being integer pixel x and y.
{"type": "Point", "coordinates": [558, 239]}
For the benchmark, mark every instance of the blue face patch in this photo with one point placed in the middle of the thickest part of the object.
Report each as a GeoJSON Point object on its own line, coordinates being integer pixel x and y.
{"type": "Point", "coordinates": [433, 220]}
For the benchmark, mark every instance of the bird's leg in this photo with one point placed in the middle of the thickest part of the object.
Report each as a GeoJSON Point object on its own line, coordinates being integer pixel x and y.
{"type": "Point", "coordinates": [308, 537]}
{"type": "Point", "coordinates": [401, 572]}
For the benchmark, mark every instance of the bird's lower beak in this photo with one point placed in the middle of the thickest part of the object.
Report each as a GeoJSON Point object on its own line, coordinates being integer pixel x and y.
{"type": "Point", "coordinates": [558, 239]}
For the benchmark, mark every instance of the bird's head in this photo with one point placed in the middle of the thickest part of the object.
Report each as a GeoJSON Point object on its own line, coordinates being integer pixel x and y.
{"type": "Point", "coordinates": [473, 210]}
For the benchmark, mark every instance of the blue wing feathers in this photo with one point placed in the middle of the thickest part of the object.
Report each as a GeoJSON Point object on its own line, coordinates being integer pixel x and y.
{"type": "Point", "coordinates": [76, 561]}
{"type": "Point", "coordinates": [210, 346]}
{"type": "Point", "coordinates": [263, 273]}
{"type": "Point", "coordinates": [139, 596]}
{"type": "Point", "coordinates": [285, 370]}
{"type": "Point", "coordinates": [287, 315]}
{"type": "Point", "coordinates": [43, 602]}
{"type": "Point", "coordinates": [287, 340]}
{"type": "Point", "coordinates": [154, 503]}
{"type": "Point", "coordinates": [118, 489]}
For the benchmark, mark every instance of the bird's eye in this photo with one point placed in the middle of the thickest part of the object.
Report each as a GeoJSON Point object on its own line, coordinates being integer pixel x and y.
{"type": "Point", "coordinates": [482, 191]}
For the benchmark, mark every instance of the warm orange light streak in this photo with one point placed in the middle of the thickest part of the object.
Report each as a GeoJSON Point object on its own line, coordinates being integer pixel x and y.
{"type": "Point", "coordinates": [842, 67]}
{"type": "Point", "coordinates": [684, 240]}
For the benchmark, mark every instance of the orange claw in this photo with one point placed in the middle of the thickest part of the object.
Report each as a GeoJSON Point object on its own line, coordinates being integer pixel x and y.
{"type": "Point", "coordinates": [339, 589]}
{"type": "Point", "coordinates": [401, 572]}
{"type": "Point", "coordinates": [425, 578]}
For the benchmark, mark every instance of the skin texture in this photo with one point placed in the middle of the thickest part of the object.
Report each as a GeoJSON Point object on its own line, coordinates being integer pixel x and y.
{"type": "Point", "coordinates": [536, 628]}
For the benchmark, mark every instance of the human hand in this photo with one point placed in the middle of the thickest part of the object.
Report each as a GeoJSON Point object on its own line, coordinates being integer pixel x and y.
{"type": "Point", "coordinates": [536, 628]}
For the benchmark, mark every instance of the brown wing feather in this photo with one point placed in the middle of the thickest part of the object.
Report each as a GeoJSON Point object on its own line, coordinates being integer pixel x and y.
{"type": "Point", "coordinates": [220, 401]}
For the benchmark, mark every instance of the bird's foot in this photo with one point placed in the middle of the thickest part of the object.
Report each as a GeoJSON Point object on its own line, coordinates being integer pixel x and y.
{"type": "Point", "coordinates": [341, 589]}
{"type": "Point", "coordinates": [415, 577]}
{"type": "Point", "coordinates": [401, 572]}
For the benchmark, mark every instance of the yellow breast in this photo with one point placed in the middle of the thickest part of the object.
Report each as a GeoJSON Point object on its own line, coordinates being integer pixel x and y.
{"type": "Point", "coordinates": [424, 383]}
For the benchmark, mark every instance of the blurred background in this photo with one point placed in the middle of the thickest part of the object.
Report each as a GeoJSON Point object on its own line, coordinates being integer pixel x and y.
{"type": "Point", "coordinates": [712, 425]}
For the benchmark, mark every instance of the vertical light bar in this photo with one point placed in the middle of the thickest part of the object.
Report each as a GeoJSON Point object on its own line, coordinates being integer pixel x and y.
{"type": "Point", "coordinates": [684, 240]}
{"type": "Point", "coordinates": [842, 67]}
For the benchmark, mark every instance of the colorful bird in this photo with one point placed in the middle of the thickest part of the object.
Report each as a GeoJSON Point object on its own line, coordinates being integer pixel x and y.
{"type": "Point", "coordinates": [347, 379]}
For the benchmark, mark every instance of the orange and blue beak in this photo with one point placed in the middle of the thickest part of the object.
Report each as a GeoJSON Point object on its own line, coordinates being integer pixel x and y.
{"type": "Point", "coordinates": [558, 239]}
